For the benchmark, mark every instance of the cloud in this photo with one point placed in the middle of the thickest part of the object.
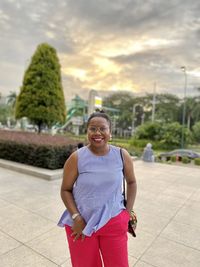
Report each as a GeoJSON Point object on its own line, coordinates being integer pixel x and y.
{"type": "Point", "coordinates": [104, 45]}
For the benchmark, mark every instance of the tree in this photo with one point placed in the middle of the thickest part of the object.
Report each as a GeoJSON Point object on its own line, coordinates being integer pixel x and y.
{"type": "Point", "coordinates": [123, 102]}
{"type": "Point", "coordinates": [4, 114]}
{"type": "Point", "coordinates": [41, 97]}
{"type": "Point", "coordinates": [196, 131]}
{"type": "Point", "coordinates": [166, 107]}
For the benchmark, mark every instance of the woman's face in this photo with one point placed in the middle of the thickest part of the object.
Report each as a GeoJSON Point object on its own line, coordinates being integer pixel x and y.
{"type": "Point", "coordinates": [98, 132]}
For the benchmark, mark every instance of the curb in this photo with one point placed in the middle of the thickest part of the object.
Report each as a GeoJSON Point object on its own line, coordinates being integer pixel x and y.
{"type": "Point", "coordinates": [42, 173]}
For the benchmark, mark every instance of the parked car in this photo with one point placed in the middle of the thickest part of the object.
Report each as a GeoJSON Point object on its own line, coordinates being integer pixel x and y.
{"type": "Point", "coordinates": [179, 153]}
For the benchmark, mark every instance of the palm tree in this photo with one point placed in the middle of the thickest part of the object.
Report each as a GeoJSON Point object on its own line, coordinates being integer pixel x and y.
{"type": "Point", "coordinates": [192, 110]}
{"type": "Point", "coordinates": [11, 99]}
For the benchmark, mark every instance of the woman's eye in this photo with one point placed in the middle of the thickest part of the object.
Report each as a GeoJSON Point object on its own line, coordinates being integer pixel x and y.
{"type": "Point", "coordinates": [102, 129]}
{"type": "Point", "coordinates": [92, 129]}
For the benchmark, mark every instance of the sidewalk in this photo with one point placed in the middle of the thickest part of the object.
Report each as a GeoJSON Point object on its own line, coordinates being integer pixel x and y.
{"type": "Point", "coordinates": [167, 205]}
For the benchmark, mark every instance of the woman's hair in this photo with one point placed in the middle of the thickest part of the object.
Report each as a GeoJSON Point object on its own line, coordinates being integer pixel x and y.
{"type": "Point", "coordinates": [99, 114]}
{"type": "Point", "coordinates": [79, 145]}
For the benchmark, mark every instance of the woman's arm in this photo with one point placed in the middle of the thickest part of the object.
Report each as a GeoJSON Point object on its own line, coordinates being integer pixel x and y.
{"type": "Point", "coordinates": [70, 175]}
{"type": "Point", "coordinates": [130, 180]}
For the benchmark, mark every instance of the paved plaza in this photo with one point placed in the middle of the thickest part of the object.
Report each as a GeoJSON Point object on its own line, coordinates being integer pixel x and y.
{"type": "Point", "coordinates": [167, 205]}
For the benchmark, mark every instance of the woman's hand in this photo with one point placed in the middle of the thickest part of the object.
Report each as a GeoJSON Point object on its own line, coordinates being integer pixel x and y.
{"type": "Point", "coordinates": [77, 228]}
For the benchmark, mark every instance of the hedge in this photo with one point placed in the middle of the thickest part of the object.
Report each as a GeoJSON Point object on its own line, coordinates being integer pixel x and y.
{"type": "Point", "coordinates": [197, 161]}
{"type": "Point", "coordinates": [185, 160]}
{"type": "Point", "coordinates": [43, 151]}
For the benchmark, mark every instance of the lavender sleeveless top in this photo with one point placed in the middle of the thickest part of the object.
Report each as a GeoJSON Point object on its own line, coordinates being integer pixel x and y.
{"type": "Point", "coordinates": [98, 189]}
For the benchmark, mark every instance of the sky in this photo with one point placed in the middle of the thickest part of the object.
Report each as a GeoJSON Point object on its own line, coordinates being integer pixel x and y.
{"type": "Point", "coordinates": [128, 45]}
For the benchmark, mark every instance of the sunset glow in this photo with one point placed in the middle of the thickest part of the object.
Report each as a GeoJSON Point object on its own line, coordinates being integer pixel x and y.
{"type": "Point", "coordinates": [104, 45]}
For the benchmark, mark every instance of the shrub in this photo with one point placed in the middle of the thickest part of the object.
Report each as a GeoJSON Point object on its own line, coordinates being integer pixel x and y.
{"type": "Point", "coordinates": [197, 161]}
{"type": "Point", "coordinates": [162, 136]}
{"type": "Point", "coordinates": [173, 158]}
{"type": "Point", "coordinates": [141, 143]}
{"type": "Point", "coordinates": [185, 160]}
{"type": "Point", "coordinates": [149, 130]}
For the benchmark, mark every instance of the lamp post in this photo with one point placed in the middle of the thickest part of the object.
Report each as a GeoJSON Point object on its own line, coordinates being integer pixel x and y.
{"type": "Point", "coordinates": [153, 103]}
{"type": "Point", "coordinates": [133, 120]}
{"type": "Point", "coordinates": [183, 68]}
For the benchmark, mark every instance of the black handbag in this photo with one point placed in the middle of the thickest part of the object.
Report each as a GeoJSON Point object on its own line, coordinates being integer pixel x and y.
{"type": "Point", "coordinates": [132, 224]}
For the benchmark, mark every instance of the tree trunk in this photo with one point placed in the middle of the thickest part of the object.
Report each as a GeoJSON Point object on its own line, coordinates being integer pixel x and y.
{"type": "Point", "coordinates": [39, 127]}
{"type": "Point", "coordinates": [188, 121]}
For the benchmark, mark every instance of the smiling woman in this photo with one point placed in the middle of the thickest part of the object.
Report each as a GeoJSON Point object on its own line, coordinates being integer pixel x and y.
{"type": "Point", "coordinates": [96, 220]}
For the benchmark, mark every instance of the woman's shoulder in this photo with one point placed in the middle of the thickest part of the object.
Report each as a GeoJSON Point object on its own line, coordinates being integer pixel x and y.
{"type": "Point", "coordinates": [83, 151]}
{"type": "Point", "coordinates": [119, 149]}
{"type": "Point", "coordinates": [113, 147]}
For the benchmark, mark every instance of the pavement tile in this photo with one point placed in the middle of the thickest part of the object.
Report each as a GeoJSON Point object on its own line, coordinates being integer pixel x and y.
{"type": "Point", "coordinates": [148, 223]}
{"type": "Point", "coordinates": [24, 257]}
{"type": "Point", "coordinates": [10, 213]}
{"type": "Point", "coordinates": [3, 203]}
{"type": "Point", "coordinates": [67, 263]}
{"type": "Point", "coordinates": [188, 216]}
{"type": "Point", "coordinates": [7, 243]}
{"type": "Point", "coordinates": [52, 211]}
{"type": "Point", "coordinates": [193, 182]}
{"type": "Point", "coordinates": [24, 199]}
{"type": "Point", "coordinates": [45, 245]}
{"type": "Point", "coordinates": [131, 261]}
{"type": "Point", "coordinates": [27, 227]}
{"type": "Point", "coordinates": [183, 233]}
{"type": "Point", "coordinates": [196, 196]}
{"type": "Point", "coordinates": [180, 191]}
{"type": "Point", "coordinates": [159, 208]}
{"type": "Point", "coordinates": [138, 245]}
{"type": "Point", "coordinates": [142, 264]}
{"type": "Point", "coordinates": [193, 205]}
{"type": "Point", "coordinates": [165, 253]}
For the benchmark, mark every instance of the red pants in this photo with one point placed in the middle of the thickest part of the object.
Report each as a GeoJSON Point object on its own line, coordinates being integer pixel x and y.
{"type": "Point", "coordinates": [108, 244]}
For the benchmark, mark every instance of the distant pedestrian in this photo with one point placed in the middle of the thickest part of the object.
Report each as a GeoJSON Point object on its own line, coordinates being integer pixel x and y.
{"type": "Point", "coordinates": [148, 154]}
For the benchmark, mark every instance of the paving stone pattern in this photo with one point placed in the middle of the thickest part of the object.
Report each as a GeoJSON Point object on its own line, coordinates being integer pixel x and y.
{"type": "Point", "coordinates": [167, 205]}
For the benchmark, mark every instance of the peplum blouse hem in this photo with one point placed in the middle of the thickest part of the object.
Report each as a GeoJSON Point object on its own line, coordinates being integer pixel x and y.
{"type": "Point", "coordinates": [98, 219]}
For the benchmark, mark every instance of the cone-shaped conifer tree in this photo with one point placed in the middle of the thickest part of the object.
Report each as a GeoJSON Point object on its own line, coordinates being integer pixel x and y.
{"type": "Point", "coordinates": [41, 98]}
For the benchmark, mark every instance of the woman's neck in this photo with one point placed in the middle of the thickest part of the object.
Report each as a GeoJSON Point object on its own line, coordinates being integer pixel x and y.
{"type": "Point", "coordinates": [100, 151]}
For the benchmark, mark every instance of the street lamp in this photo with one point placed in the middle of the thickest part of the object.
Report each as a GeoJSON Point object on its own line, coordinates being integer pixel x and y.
{"type": "Point", "coordinates": [183, 68]}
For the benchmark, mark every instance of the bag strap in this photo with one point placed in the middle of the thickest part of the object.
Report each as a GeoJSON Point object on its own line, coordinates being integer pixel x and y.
{"type": "Point", "coordinates": [123, 193]}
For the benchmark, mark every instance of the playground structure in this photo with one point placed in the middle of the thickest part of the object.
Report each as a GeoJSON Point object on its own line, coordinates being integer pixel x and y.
{"type": "Point", "coordinates": [76, 115]}
{"type": "Point", "coordinates": [79, 110]}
